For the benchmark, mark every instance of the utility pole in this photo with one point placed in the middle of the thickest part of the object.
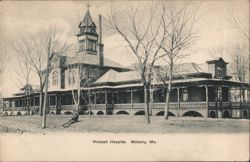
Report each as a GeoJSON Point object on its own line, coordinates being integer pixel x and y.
{"type": "Point", "coordinates": [46, 84]}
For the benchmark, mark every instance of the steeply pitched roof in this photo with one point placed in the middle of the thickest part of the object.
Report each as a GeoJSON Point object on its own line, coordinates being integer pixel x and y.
{"type": "Point", "coordinates": [87, 20]}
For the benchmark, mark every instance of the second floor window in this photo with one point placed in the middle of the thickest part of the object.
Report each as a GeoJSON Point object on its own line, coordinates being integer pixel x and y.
{"type": "Point", "coordinates": [72, 77]}
{"type": "Point", "coordinates": [54, 78]}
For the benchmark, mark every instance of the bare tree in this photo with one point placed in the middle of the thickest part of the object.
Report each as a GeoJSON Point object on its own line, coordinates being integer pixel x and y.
{"type": "Point", "coordinates": [180, 35]}
{"type": "Point", "coordinates": [241, 22]}
{"type": "Point", "coordinates": [34, 48]}
{"type": "Point", "coordinates": [24, 73]}
{"type": "Point", "coordinates": [239, 66]}
{"type": "Point", "coordinates": [77, 75]}
{"type": "Point", "coordinates": [4, 58]}
{"type": "Point", "coordinates": [4, 55]}
{"type": "Point", "coordinates": [140, 28]}
{"type": "Point", "coordinates": [80, 80]}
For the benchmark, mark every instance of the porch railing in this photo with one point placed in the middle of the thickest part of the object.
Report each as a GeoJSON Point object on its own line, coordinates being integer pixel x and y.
{"type": "Point", "coordinates": [31, 108]}
{"type": "Point", "coordinates": [68, 107]}
{"type": "Point", "coordinates": [97, 106]}
{"type": "Point", "coordinates": [229, 104]}
{"type": "Point", "coordinates": [161, 105]}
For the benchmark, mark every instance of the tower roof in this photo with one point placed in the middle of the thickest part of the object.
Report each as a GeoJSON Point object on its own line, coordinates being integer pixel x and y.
{"type": "Point", "coordinates": [87, 20]}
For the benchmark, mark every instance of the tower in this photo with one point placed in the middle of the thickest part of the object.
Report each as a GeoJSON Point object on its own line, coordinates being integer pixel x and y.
{"type": "Point", "coordinates": [89, 43]}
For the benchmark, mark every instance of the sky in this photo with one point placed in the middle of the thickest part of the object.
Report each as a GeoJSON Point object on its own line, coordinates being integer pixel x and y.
{"type": "Point", "coordinates": [21, 17]}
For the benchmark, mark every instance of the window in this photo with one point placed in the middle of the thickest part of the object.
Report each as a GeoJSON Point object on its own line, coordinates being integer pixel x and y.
{"type": "Point", "coordinates": [91, 45]}
{"type": "Point", "coordinates": [52, 100]}
{"type": "Point", "coordinates": [82, 45]}
{"type": "Point", "coordinates": [54, 78]}
{"type": "Point", "coordinates": [72, 77]}
{"type": "Point", "coordinates": [219, 94]}
{"type": "Point", "coordinates": [219, 72]}
{"type": "Point", "coordinates": [185, 94]}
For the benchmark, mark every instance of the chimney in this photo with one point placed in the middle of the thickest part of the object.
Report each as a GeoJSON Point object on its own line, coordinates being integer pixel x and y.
{"type": "Point", "coordinates": [100, 45]}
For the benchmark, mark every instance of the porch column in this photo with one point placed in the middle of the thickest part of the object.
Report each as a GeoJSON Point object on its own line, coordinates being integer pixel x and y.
{"type": "Point", "coordinates": [131, 99]}
{"type": "Point", "coordinates": [56, 104]}
{"type": "Point", "coordinates": [113, 100]}
{"type": "Point", "coordinates": [95, 99]}
{"type": "Point", "coordinates": [34, 101]}
{"type": "Point", "coordinates": [207, 106]}
{"type": "Point", "coordinates": [219, 96]}
{"type": "Point", "coordinates": [240, 102]}
{"type": "Point", "coordinates": [243, 95]}
{"type": "Point", "coordinates": [49, 102]}
{"type": "Point", "coordinates": [229, 100]}
{"type": "Point", "coordinates": [106, 103]}
{"type": "Point", "coordinates": [178, 100]}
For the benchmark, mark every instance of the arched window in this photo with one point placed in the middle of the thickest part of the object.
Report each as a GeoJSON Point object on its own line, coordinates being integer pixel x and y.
{"type": "Point", "coordinates": [72, 77]}
{"type": "Point", "coordinates": [54, 78]}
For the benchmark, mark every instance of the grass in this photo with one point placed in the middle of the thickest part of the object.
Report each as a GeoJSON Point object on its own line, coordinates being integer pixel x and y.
{"type": "Point", "coordinates": [122, 124]}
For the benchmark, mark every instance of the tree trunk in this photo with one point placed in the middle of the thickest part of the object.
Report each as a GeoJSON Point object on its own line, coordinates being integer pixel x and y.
{"type": "Point", "coordinates": [169, 87]}
{"type": "Point", "coordinates": [166, 106]}
{"type": "Point", "coordinates": [146, 104]}
{"type": "Point", "coordinates": [41, 104]}
{"type": "Point", "coordinates": [167, 100]}
{"type": "Point", "coordinates": [151, 101]}
{"type": "Point", "coordinates": [89, 102]}
{"type": "Point", "coordinates": [46, 86]}
{"type": "Point", "coordinates": [78, 99]}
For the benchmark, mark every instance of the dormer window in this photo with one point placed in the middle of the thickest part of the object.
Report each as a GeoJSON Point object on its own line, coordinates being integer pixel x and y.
{"type": "Point", "coordinates": [219, 72]}
{"type": "Point", "coordinates": [218, 68]}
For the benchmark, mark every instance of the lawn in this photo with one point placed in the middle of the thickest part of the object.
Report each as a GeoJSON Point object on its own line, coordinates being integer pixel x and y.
{"type": "Point", "coordinates": [122, 124]}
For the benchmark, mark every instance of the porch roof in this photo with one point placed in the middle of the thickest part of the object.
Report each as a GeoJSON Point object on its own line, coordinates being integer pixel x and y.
{"type": "Point", "coordinates": [183, 82]}
{"type": "Point", "coordinates": [176, 83]}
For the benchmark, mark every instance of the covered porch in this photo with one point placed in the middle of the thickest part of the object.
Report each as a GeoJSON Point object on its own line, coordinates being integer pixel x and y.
{"type": "Point", "coordinates": [206, 98]}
